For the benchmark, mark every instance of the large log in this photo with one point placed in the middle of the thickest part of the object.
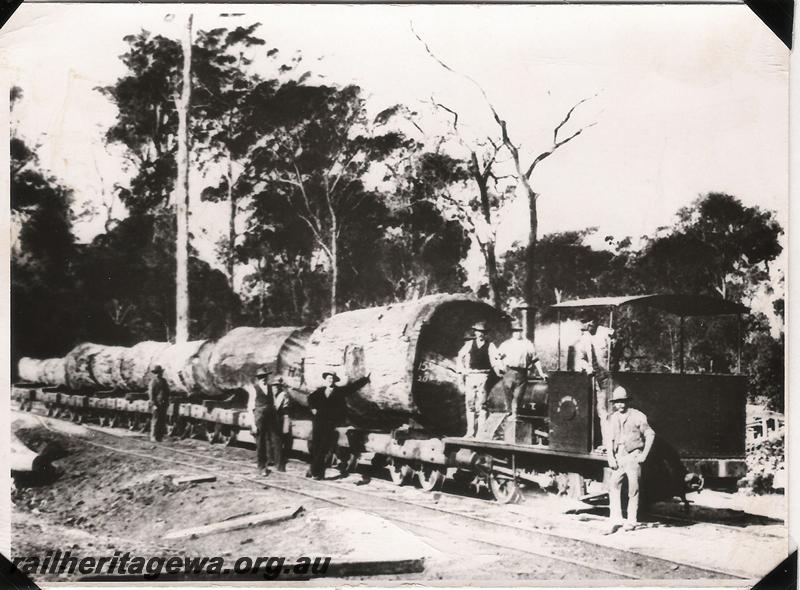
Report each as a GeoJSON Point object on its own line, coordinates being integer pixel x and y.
{"type": "Point", "coordinates": [197, 376]}
{"type": "Point", "coordinates": [135, 364]}
{"type": "Point", "coordinates": [53, 371]}
{"type": "Point", "coordinates": [78, 366]}
{"type": "Point", "coordinates": [106, 364]}
{"type": "Point", "coordinates": [176, 361]}
{"type": "Point", "coordinates": [235, 358]}
{"type": "Point", "coordinates": [409, 349]}
{"type": "Point", "coordinates": [30, 370]}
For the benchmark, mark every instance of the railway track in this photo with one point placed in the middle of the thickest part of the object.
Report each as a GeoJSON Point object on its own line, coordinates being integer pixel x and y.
{"type": "Point", "coordinates": [425, 517]}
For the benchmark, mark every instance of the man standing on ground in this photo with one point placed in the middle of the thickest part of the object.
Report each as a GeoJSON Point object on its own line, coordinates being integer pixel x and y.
{"type": "Point", "coordinates": [475, 362]}
{"type": "Point", "coordinates": [630, 439]}
{"type": "Point", "coordinates": [328, 409]}
{"type": "Point", "coordinates": [158, 394]}
{"type": "Point", "coordinates": [517, 357]}
{"type": "Point", "coordinates": [282, 407]}
{"type": "Point", "coordinates": [265, 422]}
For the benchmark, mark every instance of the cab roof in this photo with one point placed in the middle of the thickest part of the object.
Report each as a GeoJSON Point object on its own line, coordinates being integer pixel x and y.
{"type": "Point", "coordinates": [681, 305]}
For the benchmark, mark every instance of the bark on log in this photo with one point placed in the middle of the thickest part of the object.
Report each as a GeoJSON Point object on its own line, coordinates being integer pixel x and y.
{"type": "Point", "coordinates": [53, 371]}
{"type": "Point", "coordinates": [30, 370]}
{"type": "Point", "coordinates": [198, 378]}
{"type": "Point", "coordinates": [106, 364]}
{"type": "Point", "coordinates": [242, 352]}
{"type": "Point", "coordinates": [78, 366]}
{"type": "Point", "coordinates": [176, 361]}
{"type": "Point", "coordinates": [408, 348]}
{"type": "Point", "coordinates": [136, 362]}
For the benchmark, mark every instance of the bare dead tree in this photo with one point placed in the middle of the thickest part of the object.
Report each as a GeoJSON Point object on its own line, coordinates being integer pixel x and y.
{"type": "Point", "coordinates": [523, 174]}
{"type": "Point", "coordinates": [481, 170]}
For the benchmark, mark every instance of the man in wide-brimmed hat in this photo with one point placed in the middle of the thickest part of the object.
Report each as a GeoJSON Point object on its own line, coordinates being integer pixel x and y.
{"type": "Point", "coordinates": [475, 362]}
{"type": "Point", "coordinates": [328, 409]}
{"type": "Point", "coordinates": [265, 423]}
{"type": "Point", "coordinates": [158, 394]}
{"type": "Point", "coordinates": [517, 358]}
{"type": "Point", "coordinates": [282, 409]}
{"type": "Point", "coordinates": [629, 440]}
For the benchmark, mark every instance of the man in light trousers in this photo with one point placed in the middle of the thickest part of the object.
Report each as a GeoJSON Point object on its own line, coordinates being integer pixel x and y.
{"type": "Point", "coordinates": [630, 439]}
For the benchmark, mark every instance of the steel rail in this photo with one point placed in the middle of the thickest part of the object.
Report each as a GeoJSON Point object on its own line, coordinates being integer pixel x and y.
{"type": "Point", "coordinates": [451, 513]}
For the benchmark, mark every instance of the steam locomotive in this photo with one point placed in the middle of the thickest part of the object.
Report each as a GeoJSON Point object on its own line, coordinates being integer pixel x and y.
{"type": "Point", "coordinates": [411, 416]}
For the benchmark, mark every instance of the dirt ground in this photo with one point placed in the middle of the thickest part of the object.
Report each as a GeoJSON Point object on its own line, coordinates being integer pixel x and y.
{"type": "Point", "coordinates": [100, 502]}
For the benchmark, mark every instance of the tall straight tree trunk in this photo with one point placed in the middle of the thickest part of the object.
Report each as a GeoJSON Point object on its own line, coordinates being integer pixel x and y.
{"type": "Point", "coordinates": [231, 223]}
{"type": "Point", "coordinates": [182, 195]}
{"type": "Point", "coordinates": [530, 249]}
{"type": "Point", "coordinates": [334, 269]}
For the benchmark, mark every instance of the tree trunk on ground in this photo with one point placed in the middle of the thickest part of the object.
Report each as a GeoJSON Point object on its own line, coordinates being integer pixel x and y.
{"type": "Point", "coordinates": [182, 196]}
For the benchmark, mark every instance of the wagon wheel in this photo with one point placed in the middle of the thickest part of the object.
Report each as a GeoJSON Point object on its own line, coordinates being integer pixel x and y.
{"type": "Point", "coordinates": [346, 462]}
{"type": "Point", "coordinates": [144, 423]}
{"type": "Point", "coordinates": [174, 425]}
{"type": "Point", "coordinates": [188, 429]}
{"type": "Point", "coordinates": [431, 477]}
{"type": "Point", "coordinates": [225, 435]}
{"type": "Point", "coordinates": [504, 489]}
{"type": "Point", "coordinates": [399, 471]}
{"type": "Point", "coordinates": [572, 485]}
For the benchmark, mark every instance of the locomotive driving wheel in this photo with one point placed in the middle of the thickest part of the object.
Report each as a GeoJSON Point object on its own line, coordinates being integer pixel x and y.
{"type": "Point", "coordinates": [431, 477]}
{"type": "Point", "coordinates": [505, 489]}
{"type": "Point", "coordinates": [399, 471]}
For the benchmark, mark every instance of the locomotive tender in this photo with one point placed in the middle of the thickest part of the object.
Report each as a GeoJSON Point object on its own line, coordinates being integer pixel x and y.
{"type": "Point", "coordinates": [411, 415]}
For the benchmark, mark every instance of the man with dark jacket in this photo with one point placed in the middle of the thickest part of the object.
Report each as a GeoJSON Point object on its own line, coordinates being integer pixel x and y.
{"type": "Point", "coordinates": [158, 394]}
{"type": "Point", "coordinates": [265, 422]}
{"type": "Point", "coordinates": [328, 408]}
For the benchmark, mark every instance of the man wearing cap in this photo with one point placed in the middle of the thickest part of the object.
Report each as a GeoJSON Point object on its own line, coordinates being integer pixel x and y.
{"type": "Point", "coordinates": [517, 357]}
{"type": "Point", "coordinates": [475, 362]}
{"type": "Point", "coordinates": [282, 407]}
{"type": "Point", "coordinates": [630, 439]}
{"type": "Point", "coordinates": [158, 394]}
{"type": "Point", "coordinates": [265, 421]}
{"type": "Point", "coordinates": [328, 409]}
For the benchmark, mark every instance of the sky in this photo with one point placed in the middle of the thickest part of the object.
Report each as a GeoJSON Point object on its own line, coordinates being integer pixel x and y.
{"type": "Point", "coordinates": [683, 99]}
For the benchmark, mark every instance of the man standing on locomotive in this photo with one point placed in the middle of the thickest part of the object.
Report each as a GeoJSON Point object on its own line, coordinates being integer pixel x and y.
{"type": "Point", "coordinates": [158, 394]}
{"type": "Point", "coordinates": [328, 409]}
{"type": "Point", "coordinates": [630, 439]}
{"type": "Point", "coordinates": [475, 362]}
{"type": "Point", "coordinates": [265, 423]}
{"type": "Point", "coordinates": [517, 356]}
{"type": "Point", "coordinates": [592, 352]}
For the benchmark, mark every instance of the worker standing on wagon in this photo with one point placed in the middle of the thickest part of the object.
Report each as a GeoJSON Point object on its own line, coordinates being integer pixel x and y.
{"type": "Point", "coordinates": [476, 359]}
{"type": "Point", "coordinates": [328, 409]}
{"type": "Point", "coordinates": [158, 394]}
{"type": "Point", "coordinates": [282, 407]}
{"type": "Point", "coordinates": [517, 357]}
{"type": "Point", "coordinates": [265, 422]}
{"type": "Point", "coordinates": [630, 439]}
